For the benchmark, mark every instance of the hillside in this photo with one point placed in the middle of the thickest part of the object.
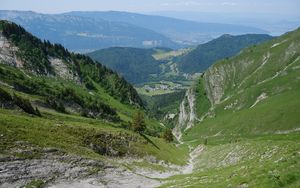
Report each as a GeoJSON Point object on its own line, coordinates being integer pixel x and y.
{"type": "Point", "coordinates": [157, 64]}
{"type": "Point", "coordinates": [225, 46]}
{"type": "Point", "coordinates": [82, 34]}
{"type": "Point", "coordinates": [181, 31]}
{"type": "Point", "coordinates": [65, 118]}
{"type": "Point", "coordinates": [51, 77]}
{"type": "Point", "coordinates": [245, 126]}
{"type": "Point", "coordinates": [136, 65]}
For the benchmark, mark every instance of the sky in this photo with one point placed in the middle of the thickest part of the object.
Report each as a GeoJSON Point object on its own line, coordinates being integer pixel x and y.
{"type": "Point", "coordinates": [288, 7]}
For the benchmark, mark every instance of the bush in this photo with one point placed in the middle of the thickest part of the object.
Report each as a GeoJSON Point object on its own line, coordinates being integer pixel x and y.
{"type": "Point", "coordinates": [138, 123]}
{"type": "Point", "coordinates": [168, 135]}
{"type": "Point", "coordinates": [5, 96]}
{"type": "Point", "coordinates": [56, 104]}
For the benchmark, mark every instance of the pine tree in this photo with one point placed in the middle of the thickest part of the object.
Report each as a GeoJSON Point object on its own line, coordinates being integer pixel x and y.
{"type": "Point", "coordinates": [138, 123]}
{"type": "Point", "coordinates": [168, 135]}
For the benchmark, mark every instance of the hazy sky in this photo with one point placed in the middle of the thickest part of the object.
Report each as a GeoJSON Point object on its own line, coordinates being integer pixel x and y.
{"type": "Point", "coordinates": [233, 6]}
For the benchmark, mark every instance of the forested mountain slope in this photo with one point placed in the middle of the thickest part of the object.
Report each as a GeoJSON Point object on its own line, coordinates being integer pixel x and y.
{"type": "Point", "coordinates": [135, 64]}
{"type": "Point", "coordinates": [144, 65]}
{"type": "Point", "coordinates": [204, 55]}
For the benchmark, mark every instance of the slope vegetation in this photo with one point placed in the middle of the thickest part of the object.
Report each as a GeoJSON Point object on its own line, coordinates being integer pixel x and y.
{"type": "Point", "coordinates": [250, 130]}
{"type": "Point", "coordinates": [136, 65]}
{"type": "Point", "coordinates": [65, 118]}
{"type": "Point", "coordinates": [225, 46]}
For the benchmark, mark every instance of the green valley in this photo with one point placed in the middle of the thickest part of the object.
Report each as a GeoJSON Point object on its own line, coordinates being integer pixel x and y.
{"type": "Point", "coordinates": [221, 114]}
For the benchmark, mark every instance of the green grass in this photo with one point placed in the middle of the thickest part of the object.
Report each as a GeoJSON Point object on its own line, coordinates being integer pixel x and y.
{"type": "Point", "coordinates": [250, 146]}
{"type": "Point", "coordinates": [278, 113]}
{"type": "Point", "coordinates": [68, 133]}
{"type": "Point", "coordinates": [256, 162]}
{"type": "Point", "coordinates": [202, 102]}
{"type": "Point", "coordinates": [48, 85]}
{"type": "Point", "coordinates": [35, 184]}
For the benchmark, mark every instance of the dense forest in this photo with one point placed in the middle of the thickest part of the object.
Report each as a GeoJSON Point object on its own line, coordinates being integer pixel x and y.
{"type": "Point", "coordinates": [136, 65]}
{"type": "Point", "coordinates": [225, 46]}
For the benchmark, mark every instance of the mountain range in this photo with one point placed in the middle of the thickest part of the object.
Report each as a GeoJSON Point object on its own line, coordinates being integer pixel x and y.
{"type": "Point", "coordinates": [144, 65]}
{"type": "Point", "coordinates": [180, 31]}
{"type": "Point", "coordinates": [89, 31]}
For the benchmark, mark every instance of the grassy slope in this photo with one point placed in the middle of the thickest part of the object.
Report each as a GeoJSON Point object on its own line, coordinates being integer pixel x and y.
{"type": "Point", "coordinates": [68, 132]}
{"type": "Point", "coordinates": [254, 147]}
{"type": "Point", "coordinates": [271, 161]}
{"type": "Point", "coordinates": [202, 102]}
{"type": "Point", "coordinates": [125, 111]}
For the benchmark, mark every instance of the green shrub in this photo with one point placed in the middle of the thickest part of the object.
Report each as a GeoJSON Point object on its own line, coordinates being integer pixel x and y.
{"type": "Point", "coordinates": [138, 123]}
{"type": "Point", "coordinates": [4, 96]}
{"type": "Point", "coordinates": [56, 104]}
{"type": "Point", "coordinates": [168, 136]}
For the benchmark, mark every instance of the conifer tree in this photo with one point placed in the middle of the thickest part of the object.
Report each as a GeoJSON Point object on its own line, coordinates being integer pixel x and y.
{"type": "Point", "coordinates": [138, 123]}
{"type": "Point", "coordinates": [168, 135]}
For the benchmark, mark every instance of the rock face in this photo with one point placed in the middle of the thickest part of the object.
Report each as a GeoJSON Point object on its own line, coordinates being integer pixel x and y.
{"type": "Point", "coordinates": [214, 82]}
{"type": "Point", "coordinates": [8, 53]}
{"type": "Point", "coordinates": [8, 56]}
{"type": "Point", "coordinates": [253, 66]}
{"type": "Point", "coordinates": [187, 114]}
{"type": "Point", "coordinates": [62, 70]}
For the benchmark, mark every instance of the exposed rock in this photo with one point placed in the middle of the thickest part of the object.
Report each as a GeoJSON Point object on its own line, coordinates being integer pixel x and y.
{"type": "Point", "coordinates": [62, 70]}
{"type": "Point", "coordinates": [187, 114]}
{"type": "Point", "coordinates": [16, 173]}
{"type": "Point", "coordinates": [8, 53]}
{"type": "Point", "coordinates": [259, 98]}
{"type": "Point", "coordinates": [50, 150]}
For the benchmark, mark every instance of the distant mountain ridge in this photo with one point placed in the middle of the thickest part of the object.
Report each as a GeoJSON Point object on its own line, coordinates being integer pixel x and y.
{"type": "Point", "coordinates": [86, 34]}
{"type": "Point", "coordinates": [90, 31]}
{"type": "Point", "coordinates": [181, 31]}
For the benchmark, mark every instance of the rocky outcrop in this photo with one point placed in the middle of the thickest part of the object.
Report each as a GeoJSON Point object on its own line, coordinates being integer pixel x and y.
{"type": "Point", "coordinates": [253, 66]}
{"type": "Point", "coordinates": [8, 53]}
{"type": "Point", "coordinates": [62, 70]}
{"type": "Point", "coordinates": [54, 168]}
{"type": "Point", "coordinates": [187, 114]}
{"type": "Point", "coordinates": [215, 78]}
{"type": "Point", "coordinates": [110, 144]}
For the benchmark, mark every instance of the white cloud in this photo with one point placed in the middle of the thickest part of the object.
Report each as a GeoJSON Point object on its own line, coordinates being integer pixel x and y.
{"type": "Point", "coordinates": [228, 4]}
